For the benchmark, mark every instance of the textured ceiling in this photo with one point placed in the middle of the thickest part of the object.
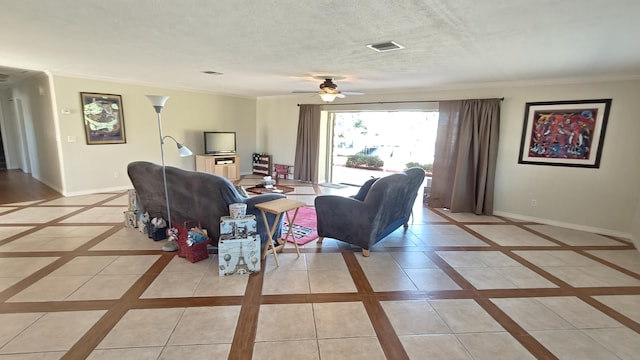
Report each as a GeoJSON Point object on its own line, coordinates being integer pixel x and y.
{"type": "Point", "coordinates": [273, 47]}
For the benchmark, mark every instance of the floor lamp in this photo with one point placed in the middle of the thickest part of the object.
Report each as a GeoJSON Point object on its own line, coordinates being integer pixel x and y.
{"type": "Point", "coordinates": [158, 104]}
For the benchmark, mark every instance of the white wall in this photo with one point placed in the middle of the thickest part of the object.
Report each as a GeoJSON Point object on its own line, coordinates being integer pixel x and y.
{"type": "Point", "coordinates": [42, 133]}
{"type": "Point", "coordinates": [92, 168]}
{"type": "Point", "coordinates": [604, 200]}
{"type": "Point", "coordinates": [277, 127]}
{"type": "Point", "coordinates": [33, 146]}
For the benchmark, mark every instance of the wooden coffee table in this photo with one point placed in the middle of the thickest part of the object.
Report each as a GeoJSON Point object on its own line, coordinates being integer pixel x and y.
{"type": "Point", "coordinates": [262, 190]}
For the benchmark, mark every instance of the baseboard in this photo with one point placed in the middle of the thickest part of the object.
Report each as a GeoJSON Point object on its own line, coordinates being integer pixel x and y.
{"type": "Point", "coordinates": [591, 229]}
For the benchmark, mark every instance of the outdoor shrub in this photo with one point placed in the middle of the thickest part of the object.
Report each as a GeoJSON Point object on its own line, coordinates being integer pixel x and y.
{"type": "Point", "coordinates": [426, 167]}
{"type": "Point", "coordinates": [368, 161]}
{"type": "Point", "coordinates": [374, 161]}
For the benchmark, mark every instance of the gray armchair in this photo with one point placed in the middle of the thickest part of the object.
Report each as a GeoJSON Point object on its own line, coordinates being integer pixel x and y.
{"type": "Point", "coordinates": [384, 207]}
{"type": "Point", "coordinates": [199, 196]}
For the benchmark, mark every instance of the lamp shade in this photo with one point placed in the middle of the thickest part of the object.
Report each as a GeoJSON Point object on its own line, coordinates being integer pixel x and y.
{"type": "Point", "coordinates": [184, 151]}
{"type": "Point", "coordinates": [157, 100]}
{"type": "Point", "coordinates": [328, 97]}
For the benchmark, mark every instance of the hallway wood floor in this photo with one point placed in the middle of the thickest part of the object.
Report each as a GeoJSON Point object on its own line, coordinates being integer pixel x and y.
{"type": "Point", "coordinates": [16, 187]}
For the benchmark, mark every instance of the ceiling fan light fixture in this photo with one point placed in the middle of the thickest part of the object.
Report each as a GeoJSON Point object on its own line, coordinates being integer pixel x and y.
{"type": "Point", "coordinates": [328, 85]}
{"type": "Point", "coordinates": [328, 97]}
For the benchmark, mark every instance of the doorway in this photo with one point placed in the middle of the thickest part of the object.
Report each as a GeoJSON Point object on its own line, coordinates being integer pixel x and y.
{"type": "Point", "coordinates": [389, 141]}
{"type": "Point", "coordinates": [3, 160]}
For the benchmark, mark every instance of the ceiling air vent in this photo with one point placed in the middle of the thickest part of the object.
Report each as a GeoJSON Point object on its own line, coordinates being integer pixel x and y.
{"type": "Point", "coordinates": [209, 72]}
{"type": "Point", "coordinates": [385, 46]}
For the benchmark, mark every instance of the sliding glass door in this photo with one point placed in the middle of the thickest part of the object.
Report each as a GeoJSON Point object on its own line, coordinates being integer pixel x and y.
{"type": "Point", "coordinates": [365, 144]}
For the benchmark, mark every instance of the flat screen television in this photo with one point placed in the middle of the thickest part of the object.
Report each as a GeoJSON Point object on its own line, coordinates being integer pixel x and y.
{"type": "Point", "coordinates": [219, 142]}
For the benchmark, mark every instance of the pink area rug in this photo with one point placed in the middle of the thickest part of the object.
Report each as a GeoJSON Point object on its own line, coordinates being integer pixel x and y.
{"type": "Point", "coordinates": [305, 226]}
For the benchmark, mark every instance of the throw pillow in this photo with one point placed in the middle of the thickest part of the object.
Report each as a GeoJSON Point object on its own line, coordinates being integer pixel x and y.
{"type": "Point", "coordinates": [364, 189]}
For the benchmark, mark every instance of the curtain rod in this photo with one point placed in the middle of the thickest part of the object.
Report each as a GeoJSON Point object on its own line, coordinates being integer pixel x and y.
{"type": "Point", "coordinates": [398, 102]}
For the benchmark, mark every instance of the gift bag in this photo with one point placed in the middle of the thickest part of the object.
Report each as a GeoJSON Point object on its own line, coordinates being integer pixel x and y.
{"type": "Point", "coordinates": [192, 241]}
{"type": "Point", "coordinates": [158, 228]}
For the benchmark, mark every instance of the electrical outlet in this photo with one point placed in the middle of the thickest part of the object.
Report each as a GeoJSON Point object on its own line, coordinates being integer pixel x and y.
{"type": "Point", "coordinates": [534, 202]}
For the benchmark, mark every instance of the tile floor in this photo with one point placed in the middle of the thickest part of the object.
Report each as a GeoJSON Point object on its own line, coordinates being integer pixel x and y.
{"type": "Point", "coordinates": [76, 284]}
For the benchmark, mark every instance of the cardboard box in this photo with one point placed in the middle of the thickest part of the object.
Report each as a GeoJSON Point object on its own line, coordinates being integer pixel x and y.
{"type": "Point", "coordinates": [239, 256]}
{"type": "Point", "coordinates": [240, 228]}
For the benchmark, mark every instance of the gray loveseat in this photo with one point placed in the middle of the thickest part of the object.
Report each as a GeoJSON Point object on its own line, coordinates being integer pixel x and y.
{"type": "Point", "coordinates": [193, 195]}
{"type": "Point", "coordinates": [373, 214]}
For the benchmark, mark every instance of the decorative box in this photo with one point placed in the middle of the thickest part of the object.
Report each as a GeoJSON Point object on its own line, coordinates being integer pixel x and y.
{"type": "Point", "coordinates": [239, 256]}
{"type": "Point", "coordinates": [240, 228]}
{"type": "Point", "coordinates": [143, 227]}
{"type": "Point", "coordinates": [130, 219]}
{"type": "Point", "coordinates": [133, 199]}
{"type": "Point", "coordinates": [143, 223]}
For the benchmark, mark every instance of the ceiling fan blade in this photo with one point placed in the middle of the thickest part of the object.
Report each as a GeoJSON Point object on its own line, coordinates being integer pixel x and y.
{"type": "Point", "coordinates": [329, 88]}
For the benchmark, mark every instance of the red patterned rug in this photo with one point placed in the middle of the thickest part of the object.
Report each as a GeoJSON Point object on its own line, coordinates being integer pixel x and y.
{"type": "Point", "coordinates": [305, 225]}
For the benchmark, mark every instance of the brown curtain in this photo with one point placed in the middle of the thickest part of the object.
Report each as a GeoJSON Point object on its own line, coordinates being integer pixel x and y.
{"type": "Point", "coordinates": [307, 142]}
{"type": "Point", "coordinates": [465, 157]}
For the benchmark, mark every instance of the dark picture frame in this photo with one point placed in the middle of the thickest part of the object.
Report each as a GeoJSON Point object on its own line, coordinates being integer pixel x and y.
{"type": "Point", "coordinates": [564, 133]}
{"type": "Point", "coordinates": [103, 118]}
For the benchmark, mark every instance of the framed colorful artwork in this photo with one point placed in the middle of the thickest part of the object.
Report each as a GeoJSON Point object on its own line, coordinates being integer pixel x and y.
{"type": "Point", "coordinates": [564, 133]}
{"type": "Point", "coordinates": [103, 118]}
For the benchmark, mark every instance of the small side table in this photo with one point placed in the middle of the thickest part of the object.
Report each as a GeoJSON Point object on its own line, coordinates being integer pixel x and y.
{"type": "Point", "coordinates": [278, 207]}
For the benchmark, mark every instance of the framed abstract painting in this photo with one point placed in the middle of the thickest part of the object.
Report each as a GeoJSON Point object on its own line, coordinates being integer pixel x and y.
{"type": "Point", "coordinates": [103, 118]}
{"type": "Point", "coordinates": [564, 133]}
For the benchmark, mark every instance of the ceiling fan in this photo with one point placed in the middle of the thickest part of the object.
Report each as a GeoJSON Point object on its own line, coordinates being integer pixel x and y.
{"type": "Point", "coordinates": [328, 91]}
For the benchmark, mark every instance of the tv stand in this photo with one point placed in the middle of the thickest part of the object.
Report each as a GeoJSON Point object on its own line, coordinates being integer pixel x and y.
{"type": "Point", "coordinates": [227, 165]}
